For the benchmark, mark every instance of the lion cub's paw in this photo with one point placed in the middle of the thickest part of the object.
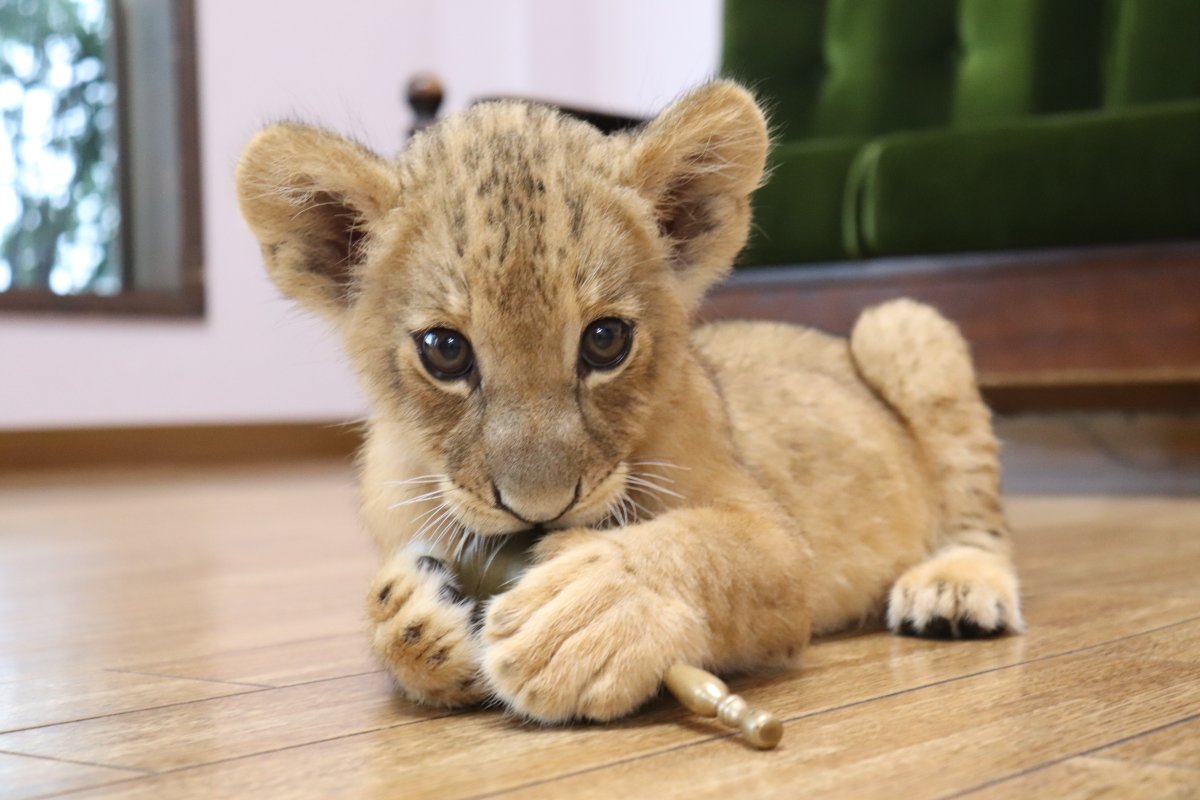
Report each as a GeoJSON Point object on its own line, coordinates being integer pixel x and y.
{"type": "Point", "coordinates": [960, 593]}
{"type": "Point", "coordinates": [423, 631]}
{"type": "Point", "coordinates": [582, 636]}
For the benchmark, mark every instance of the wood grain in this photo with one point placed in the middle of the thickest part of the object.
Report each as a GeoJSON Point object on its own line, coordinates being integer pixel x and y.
{"type": "Point", "coordinates": [199, 633]}
{"type": "Point", "coordinates": [24, 777]}
{"type": "Point", "coordinates": [188, 734]}
{"type": "Point", "coordinates": [1102, 318]}
{"type": "Point", "coordinates": [1175, 745]}
{"type": "Point", "coordinates": [99, 693]}
{"type": "Point", "coordinates": [275, 664]}
{"type": "Point", "coordinates": [1089, 778]}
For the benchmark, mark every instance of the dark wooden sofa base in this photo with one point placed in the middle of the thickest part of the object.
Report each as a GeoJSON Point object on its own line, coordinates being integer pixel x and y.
{"type": "Point", "coordinates": [1105, 327]}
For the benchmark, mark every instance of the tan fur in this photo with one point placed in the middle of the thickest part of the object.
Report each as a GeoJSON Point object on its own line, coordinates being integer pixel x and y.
{"type": "Point", "coordinates": [739, 486]}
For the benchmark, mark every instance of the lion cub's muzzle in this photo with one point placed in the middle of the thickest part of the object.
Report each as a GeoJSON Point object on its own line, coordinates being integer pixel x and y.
{"type": "Point", "coordinates": [537, 455]}
{"type": "Point", "coordinates": [538, 507]}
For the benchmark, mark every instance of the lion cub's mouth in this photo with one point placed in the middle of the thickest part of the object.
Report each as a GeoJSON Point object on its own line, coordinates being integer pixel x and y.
{"type": "Point", "coordinates": [626, 494]}
{"type": "Point", "coordinates": [588, 506]}
{"type": "Point", "coordinates": [541, 523]}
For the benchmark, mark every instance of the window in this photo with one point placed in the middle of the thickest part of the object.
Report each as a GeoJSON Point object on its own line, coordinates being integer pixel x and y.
{"type": "Point", "coordinates": [99, 194]}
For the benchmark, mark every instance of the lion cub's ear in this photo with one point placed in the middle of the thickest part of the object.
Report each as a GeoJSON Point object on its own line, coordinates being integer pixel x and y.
{"type": "Point", "coordinates": [311, 197]}
{"type": "Point", "coordinates": [698, 162]}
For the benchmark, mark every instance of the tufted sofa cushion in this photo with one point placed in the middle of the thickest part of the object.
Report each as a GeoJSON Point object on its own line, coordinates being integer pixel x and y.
{"type": "Point", "coordinates": [871, 96]}
{"type": "Point", "coordinates": [1053, 180]}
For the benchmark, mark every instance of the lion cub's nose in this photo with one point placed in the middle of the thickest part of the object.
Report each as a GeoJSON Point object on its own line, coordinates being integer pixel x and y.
{"type": "Point", "coordinates": [536, 507]}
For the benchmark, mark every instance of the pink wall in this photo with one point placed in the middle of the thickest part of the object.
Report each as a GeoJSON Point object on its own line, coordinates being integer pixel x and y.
{"type": "Point", "coordinates": [254, 358]}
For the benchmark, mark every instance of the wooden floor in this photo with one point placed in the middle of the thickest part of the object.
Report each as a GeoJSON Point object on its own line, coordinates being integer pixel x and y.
{"type": "Point", "coordinates": [200, 635]}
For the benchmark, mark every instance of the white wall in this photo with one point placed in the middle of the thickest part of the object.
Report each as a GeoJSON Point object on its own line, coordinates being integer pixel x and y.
{"type": "Point", "coordinates": [254, 358]}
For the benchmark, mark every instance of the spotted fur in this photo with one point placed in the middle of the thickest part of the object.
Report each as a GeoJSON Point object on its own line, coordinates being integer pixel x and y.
{"type": "Point", "coordinates": [723, 493]}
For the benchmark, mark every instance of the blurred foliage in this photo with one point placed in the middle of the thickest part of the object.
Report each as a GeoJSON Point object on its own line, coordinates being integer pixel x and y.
{"type": "Point", "coordinates": [59, 210]}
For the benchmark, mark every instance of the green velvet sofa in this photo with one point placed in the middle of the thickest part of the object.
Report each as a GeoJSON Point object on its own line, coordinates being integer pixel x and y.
{"type": "Point", "coordinates": [935, 126]}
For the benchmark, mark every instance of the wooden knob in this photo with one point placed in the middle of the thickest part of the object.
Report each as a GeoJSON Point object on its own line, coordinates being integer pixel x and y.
{"type": "Point", "coordinates": [424, 96]}
{"type": "Point", "coordinates": [708, 696]}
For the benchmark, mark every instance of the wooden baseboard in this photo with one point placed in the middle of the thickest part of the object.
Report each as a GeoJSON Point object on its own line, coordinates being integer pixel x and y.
{"type": "Point", "coordinates": [175, 445]}
{"type": "Point", "coordinates": [1111, 327]}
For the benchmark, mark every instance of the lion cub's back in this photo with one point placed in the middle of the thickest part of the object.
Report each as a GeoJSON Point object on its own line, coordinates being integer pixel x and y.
{"type": "Point", "coordinates": [745, 345]}
{"type": "Point", "coordinates": [837, 458]}
{"type": "Point", "coordinates": [794, 395]}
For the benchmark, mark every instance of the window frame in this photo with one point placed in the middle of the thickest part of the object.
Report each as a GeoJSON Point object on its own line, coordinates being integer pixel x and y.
{"type": "Point", "coordinates": [170, 285]}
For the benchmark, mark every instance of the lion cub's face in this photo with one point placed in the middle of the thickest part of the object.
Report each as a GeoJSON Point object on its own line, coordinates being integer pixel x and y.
{"type": "Point", "coordinates": [516, 290]}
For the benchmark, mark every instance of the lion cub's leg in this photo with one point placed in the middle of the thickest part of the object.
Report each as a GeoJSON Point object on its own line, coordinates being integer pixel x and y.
{"type": "Point", "coordinates": [423, 630]}
{"type": "Point", "coordinates": [919, 363]}
{"type": "Point", "coordinates": [592, 628]}
{"type": "Point", "coordinates": [968, 588]}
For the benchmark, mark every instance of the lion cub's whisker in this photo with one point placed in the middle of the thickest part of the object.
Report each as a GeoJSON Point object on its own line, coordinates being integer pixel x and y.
{"type": "Point", "coordinates": [611, 518]}
{"type": "Point", "coordinates": [447, 526]}
{"type": "Point", "coordinates": [421, 498]}
{"type": "Point", "coordinates": [432, 523]}
{"type": "Point", "coordinates": [440, 513]}
{"type": "Point", "coordinates": [434, 510]}
{"type": "Point", "coordinates": [464, 538]}
{"type": "Point", "coordinates": [644, 512]}
{"type": "Point", "coordinates": [431, 478]}
{"type": "Point", "coordinates": [438, 525]}
{"type": "Point", "coordinates": [496, 546]}
{"type": "Point", "coordinates": [620, 511]}
{"type": "Point", "coordinates": [666, 464]}
{"type": "Point", "coordinates": [646, 492]}
{"type": "Point", "coordinates": [638, 481]}
{"type": "Point", "coordinates": [636, 510]}
{"type": "Point", "coordinates": [424, 482]}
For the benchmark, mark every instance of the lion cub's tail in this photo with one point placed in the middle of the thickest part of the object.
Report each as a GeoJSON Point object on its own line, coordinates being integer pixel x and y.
{"type": "Point", "coordinates": [918, 362]}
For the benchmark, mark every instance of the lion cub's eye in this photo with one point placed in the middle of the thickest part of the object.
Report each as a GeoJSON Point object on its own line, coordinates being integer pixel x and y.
{"type": "Point", "coordinates": [445, 353]}
{"type": "Point", "coordinates": [605, 343]}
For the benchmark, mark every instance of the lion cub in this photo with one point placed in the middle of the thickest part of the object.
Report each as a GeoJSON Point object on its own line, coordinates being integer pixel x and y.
{"type": "Point", "coordinates": [518, 293]}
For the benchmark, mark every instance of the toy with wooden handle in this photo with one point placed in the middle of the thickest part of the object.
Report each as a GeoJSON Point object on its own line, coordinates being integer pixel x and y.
{"type": "Point", "coordinates": [486, 567]}
{"type": "Point", "coordinates": [708, 696]}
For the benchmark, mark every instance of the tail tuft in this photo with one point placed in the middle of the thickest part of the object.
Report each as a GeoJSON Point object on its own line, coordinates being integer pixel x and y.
{"type": "Point", "coordinates": [915, 358]}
